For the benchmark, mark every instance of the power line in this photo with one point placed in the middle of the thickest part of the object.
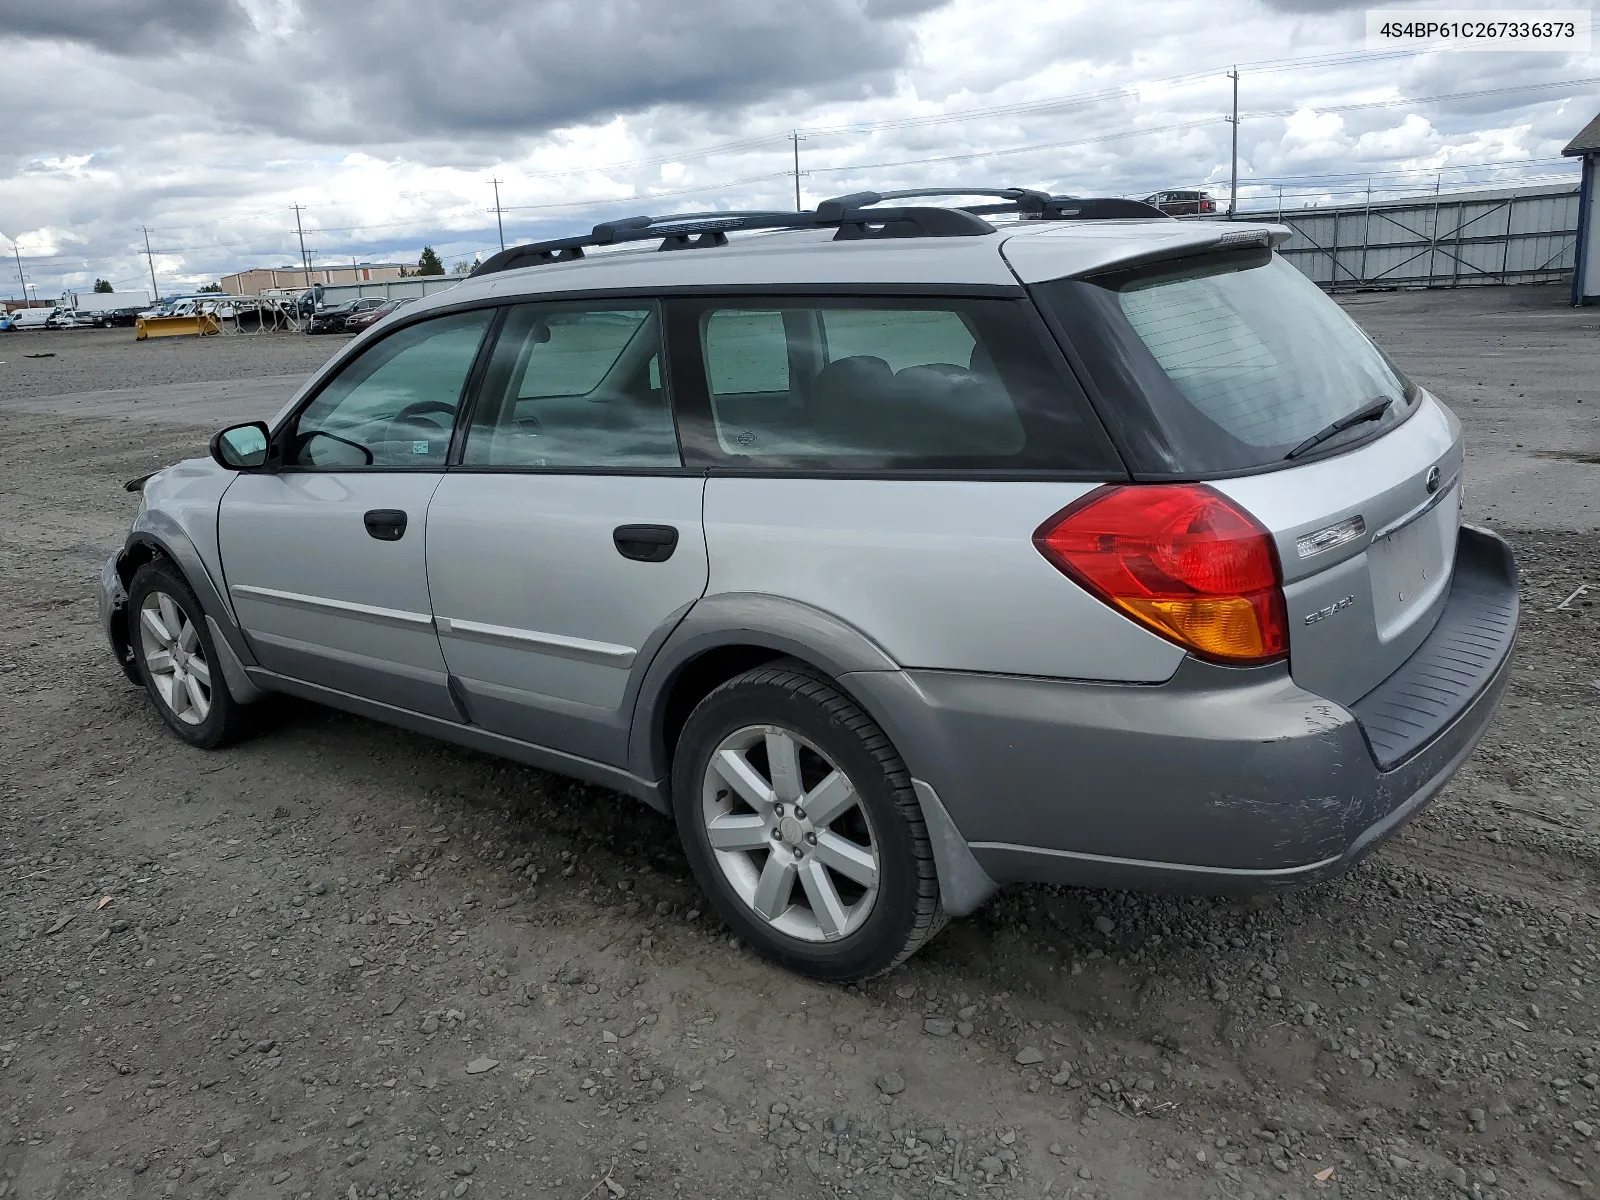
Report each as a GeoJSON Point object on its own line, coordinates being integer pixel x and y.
{"type": "Point", "coordinates": [1015, 109]}
{"type": "Point", "coordinates": [1505, 162]}
{"type": "Point", "coordinates": [1395, 103]}
{"type": "Point", "coordinates": [944, 158]}
{"type": "Point", "coordinates": [1208, 121]}
{"type": "Point", "coordinates": [698, 190]}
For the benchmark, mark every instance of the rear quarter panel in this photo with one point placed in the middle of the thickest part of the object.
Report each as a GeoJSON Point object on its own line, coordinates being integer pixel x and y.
{"type": "Point", "coordinates": [942, 574]}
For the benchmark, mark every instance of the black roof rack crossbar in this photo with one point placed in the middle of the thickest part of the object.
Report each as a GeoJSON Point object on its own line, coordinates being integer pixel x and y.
{"type": "Point", "coordinates": [855, 217]}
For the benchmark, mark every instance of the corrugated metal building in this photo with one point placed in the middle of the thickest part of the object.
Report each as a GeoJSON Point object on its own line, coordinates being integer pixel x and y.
{"type": "Point", "coordinates": [1508, 235]}
{"type": "Point", "coordinates": [1586, 272]}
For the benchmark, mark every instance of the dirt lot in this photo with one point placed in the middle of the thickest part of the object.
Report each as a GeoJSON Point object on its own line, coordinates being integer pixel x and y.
{"type": "Point", "coordinates": [343, 961]}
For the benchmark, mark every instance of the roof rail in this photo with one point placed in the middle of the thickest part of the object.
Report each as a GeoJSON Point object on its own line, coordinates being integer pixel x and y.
{"type": "Point", "coordinates": [1040, 206]}
{"type": "Point", "coordinates": [855, 217]}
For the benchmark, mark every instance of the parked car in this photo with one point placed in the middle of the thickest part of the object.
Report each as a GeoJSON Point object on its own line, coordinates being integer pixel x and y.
{"type": "Point", "coordinates": [817, 543]}
{"type": "Point", "coordinates": [363, 318]}
{"type": "Point", "coordinates": [65, 318]}
{"type": "Point", "coordinates": [117, 317]}
{"type": "Point", "coordinates": [1183, 204]}
{"type": "Point", "coordinates": [332, 318]}
{"type": "Point", "coordinates": [33, 318]}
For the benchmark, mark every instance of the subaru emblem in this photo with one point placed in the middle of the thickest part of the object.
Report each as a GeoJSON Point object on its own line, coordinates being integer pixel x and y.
{"type": "Point", "coordinates": [1433, 480]}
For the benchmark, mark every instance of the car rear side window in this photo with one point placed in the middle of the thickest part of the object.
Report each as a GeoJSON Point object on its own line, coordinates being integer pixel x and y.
{"type": "Point", "coordinates": [1223, 362]}
{"type": "Point", "coordinates": [874, 384]}
{"type": "Point", "coordinates": [575, 386]}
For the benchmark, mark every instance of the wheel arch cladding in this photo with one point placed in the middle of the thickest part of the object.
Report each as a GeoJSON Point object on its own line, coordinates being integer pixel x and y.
{"type": "Point", "coordinates": [724, 636]}
{"type": "Point", "coordinates": [168, 540]}
{"type": "Point", "coordinates": [727, 636]}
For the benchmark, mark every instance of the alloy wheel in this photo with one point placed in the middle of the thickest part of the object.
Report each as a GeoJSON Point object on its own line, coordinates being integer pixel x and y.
{"type": "Point", "coordinates": [170, 643]}
{"type": "Point", "coordinates": [790, 833]}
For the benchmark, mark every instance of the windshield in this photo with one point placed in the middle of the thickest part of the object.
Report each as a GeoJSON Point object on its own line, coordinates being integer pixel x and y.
{"type": "Point", "coordinates": [1225, 362]}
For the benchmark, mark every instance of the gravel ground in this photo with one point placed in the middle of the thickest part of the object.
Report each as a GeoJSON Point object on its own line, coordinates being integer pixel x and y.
{"type": "Point", "coordinates": [94, 360]}
{"type": "Point", "coordinates": [339, 960]}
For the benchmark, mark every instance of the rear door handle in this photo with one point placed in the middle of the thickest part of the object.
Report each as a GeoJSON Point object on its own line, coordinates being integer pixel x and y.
{"type": "Point", "coordinates": [385, 524]}
{"type": "Point", "coordinates": [645, 543]}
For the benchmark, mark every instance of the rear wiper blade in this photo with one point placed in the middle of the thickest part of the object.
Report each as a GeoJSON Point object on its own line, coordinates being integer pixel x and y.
{"type": "Point", "coordinates": [1371, 411]}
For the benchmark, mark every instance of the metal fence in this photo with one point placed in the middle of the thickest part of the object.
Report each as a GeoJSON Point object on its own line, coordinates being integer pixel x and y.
{"type": "Point", "coordinates": [394, 289]}
{"type": "Point", "coordinates": [1516, 235]}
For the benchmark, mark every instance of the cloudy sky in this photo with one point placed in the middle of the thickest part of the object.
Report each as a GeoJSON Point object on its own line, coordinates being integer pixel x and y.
{"type": "Point", "coordinates": [206, 120]}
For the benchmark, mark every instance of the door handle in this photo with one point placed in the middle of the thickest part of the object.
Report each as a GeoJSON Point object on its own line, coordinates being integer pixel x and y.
{"type": "Point", "coordinates": [645, 543]}
{"type": "Point", "coordinates": [385, 524]}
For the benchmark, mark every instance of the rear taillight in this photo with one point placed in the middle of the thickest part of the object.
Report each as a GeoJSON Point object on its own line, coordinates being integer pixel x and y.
{"type": "Point", "coordinates": [1180, 559]}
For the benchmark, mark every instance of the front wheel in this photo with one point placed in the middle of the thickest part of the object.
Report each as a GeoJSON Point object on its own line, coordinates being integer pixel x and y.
{"type": "Point", "coordinates": [802, 826]}
{"type": "Point", "coordinates": [176, 658]}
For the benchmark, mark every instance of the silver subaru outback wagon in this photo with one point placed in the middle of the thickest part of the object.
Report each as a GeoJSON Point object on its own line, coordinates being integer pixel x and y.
{"type": "Point", "coordinates": [895, 551]}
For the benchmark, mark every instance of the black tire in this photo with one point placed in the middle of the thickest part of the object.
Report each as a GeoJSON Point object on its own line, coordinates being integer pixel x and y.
{"type": "Point", "coordinates": [225, 718]}
{"type": "Point", "coordinates": [906, 911]}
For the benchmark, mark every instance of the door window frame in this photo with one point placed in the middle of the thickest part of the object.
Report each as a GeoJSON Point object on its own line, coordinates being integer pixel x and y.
{"type": "Point", "coordinates": [595, 300]}
{"type": "Point", "coordinates": [282, 434]}
{"type": "Point", "coordinates": [685, 313]}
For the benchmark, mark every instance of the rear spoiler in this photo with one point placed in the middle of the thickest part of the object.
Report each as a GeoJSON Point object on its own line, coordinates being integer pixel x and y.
{"type": "Point", "coordinates": [1046, 255]}
{"type": "Point", "coordinates": [1265, 237]}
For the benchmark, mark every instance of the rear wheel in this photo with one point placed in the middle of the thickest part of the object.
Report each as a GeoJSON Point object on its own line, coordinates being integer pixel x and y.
{"type": "Point", "coordinates": [803, 828]}
{"type": "Point", "coordinates": [176, 658]}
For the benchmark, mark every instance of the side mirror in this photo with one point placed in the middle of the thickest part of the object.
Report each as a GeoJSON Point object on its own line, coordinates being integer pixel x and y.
{"type": "Point", "coordinates": [242, 447]}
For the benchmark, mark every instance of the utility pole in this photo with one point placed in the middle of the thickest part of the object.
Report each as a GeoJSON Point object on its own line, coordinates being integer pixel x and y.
{"type": "Point", "coordinates": [155, 292]}
{"type": "Point", "coordinates": [498, 223]}
{"type": "Point", "coordinates": [22, 280]}
{"type": "Point", "coordinates": [794, 136]}
{"type": "Point", "coordinates": [305, 263]}
{"type": "Point", "coordinates": [1233, 181]}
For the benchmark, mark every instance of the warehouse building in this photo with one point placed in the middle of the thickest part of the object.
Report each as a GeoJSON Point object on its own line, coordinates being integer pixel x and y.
{"type": "Point", "coordinates": [265, 279]}
{"type": "Point", "coordinates": [1586, 262]}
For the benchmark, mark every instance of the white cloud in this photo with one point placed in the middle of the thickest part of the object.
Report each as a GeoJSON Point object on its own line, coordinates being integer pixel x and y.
{"type": "Point", "coordinates": [207, 120]}
{"type": "Point", "coordinates": [1411, 139]}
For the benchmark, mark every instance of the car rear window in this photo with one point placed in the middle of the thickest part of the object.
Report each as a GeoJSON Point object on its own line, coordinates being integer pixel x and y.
{"type": "Point", "coordinates": [873, 384]}
{"type": "Point", "coordinates": [1224, 362]}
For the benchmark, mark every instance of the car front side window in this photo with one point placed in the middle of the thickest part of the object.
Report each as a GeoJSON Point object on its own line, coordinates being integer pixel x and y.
{"type": "Point", "coordinates": [394, 406]}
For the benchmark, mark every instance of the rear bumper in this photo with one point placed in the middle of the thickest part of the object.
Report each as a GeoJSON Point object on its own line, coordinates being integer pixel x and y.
{"type": "Point", "coordinates": [1219, 779]}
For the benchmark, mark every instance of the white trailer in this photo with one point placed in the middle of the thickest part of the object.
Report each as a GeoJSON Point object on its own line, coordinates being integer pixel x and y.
{"type": "Point", "coordinates": [86, 303]}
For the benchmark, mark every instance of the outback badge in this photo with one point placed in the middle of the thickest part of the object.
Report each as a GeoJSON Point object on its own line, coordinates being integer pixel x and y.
{"type": "Point", "coordinates": [1322, 614]}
